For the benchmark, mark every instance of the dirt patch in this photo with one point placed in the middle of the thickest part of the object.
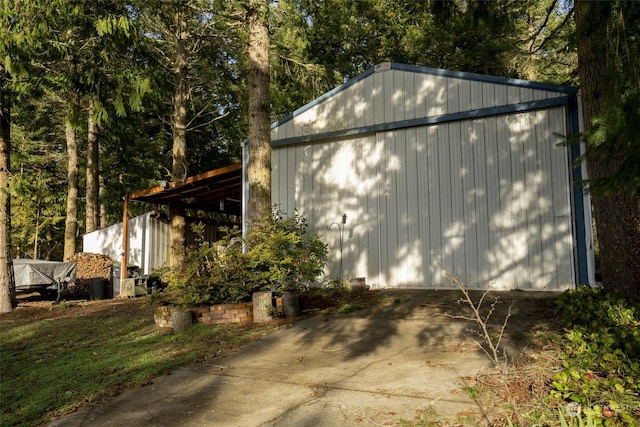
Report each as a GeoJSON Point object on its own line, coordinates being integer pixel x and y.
{"type": "Point", "coordinates": [34, 307]}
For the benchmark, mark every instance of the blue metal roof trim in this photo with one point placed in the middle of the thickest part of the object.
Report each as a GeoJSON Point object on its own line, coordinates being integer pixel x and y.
{"type": "Point", "coordinates": [569, 90]}
{"type": "Point", "coordinates": [578, 199]}
{"type": "Point", "coordinates": [422, 121]}
{"type": "Point", "coordinates": [385, 66]}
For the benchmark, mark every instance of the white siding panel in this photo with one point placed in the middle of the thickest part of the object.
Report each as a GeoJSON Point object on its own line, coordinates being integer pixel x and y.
{"type": "Point", "coordinates": [489, 95]}
{"type": "Point", "coordinates": [503, 218]}
{"type": "Point", "coordinates": [533, 176]}
{"type": "Point", "coordinates": [526, 95]}
{"type": "Point", "coordinates": [423, 214]}
{"type": "Point", "coordinates": [277, 167]}
{"type": "Point", "coordinates": [453, 96]}
{"type": "Point", "coordinates": [148, 242]}
{"type": "Point", "coordinates": [424, 90]}
{"type": "Point", "coordinates": [487, 199]}
{"type": "Point", "coordinates": [455, 232]}
{"type": "Point", "coordinates": [464, 95]}
{"type": "Point", "coordinates": [290, 179]}
{"type": "Point", "coordinates": [389, 101]}
{"type": "Point", "coordinates": [500, 95]}
{"type": "Point", "coordinates": [438, 102]}
{"type": "Point", "coordinates": [411, 101]}
{"type": "Point", "coordinates": [394, 95]}
{"type": "Point", "coordinates": [434, 167]}
{"type": "Point", "coordinates": [361, 103]}
{"type": "Point", "coordinates": [390, 233]}
{"type": "Point", "coordinates": [467, 197]}
{"type": "Point", "coordinates": [444, 160]}
{"type": "Point", "coordinates": [513, 94]}
{"type": "Point", "coordinates": [369, 101]}
{"type": "Point", "coordinates": [476, 96]}
{"type": "Point", "coordinates": [561, 198]}
{"type": "Point", "coordinates": [517, 139]}
{"type": "Point", "coordinates": [480, 190]}
{"type": "Point", "coordinates": [547, 230]}
{"type": "Point", "coordinates": [399, 96]}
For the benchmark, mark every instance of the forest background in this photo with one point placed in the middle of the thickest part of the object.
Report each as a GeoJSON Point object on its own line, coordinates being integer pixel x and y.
{"type": "Point", "coordinates": [96, 95]}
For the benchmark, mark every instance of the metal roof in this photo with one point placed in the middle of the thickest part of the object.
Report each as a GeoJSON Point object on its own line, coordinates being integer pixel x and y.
{"type": "Point", "coordinates": [219, 190]}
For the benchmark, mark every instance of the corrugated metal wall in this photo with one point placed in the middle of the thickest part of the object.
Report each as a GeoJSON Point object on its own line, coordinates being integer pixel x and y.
{"type": "Point", "coordinates": [487, 199]}
{"type": "Point", "coordinates": [149, 241]}
{"type": "Point", "coordinates": [394, 96]}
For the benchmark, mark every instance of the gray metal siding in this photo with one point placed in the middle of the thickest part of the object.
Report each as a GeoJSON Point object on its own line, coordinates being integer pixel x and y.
{"type": "Point", "coordinates": [437, 171]}
{"type": "Point", "coordinates": [394, 95]}
{"type": "Point", "coordinates": [485, 199]}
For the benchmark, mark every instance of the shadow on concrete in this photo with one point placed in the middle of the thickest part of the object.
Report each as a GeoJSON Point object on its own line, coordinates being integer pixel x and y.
{"type": "Point", "coordinates": [375, 366]}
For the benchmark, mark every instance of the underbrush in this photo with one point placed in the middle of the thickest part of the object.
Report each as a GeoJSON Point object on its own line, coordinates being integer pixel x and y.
{"type": "Point", "coordinates": [590, 373]}
{"type": "Point", "coordinates": [600, 353]}
{"type": "Point", "coordinates": [583, 372]}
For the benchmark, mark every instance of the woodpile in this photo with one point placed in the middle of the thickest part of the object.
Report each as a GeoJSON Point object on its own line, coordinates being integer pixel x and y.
{"type": "Point", "coordinates": [92, 266]}
{"type": "Point", "coordinates": [89, 266]}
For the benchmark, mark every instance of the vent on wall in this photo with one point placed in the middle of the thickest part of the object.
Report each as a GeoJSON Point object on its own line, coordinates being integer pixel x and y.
{"type": "Point", "coordinates": [383, 66]}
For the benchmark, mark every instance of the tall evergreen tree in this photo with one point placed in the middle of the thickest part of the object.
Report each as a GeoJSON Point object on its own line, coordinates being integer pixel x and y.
{"type": "Point", "coordinates": [609, 66]}
{"type": "Point", "coordinates": [7, 288]}
{"type": "Point", "coordinates": [259, 168]}
{"type": "Point", "coordinates": [187, 45]}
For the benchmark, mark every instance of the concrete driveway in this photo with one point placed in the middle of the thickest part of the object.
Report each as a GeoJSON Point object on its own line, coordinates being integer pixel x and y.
{"type": "Point", "coordinates": [386, 365]}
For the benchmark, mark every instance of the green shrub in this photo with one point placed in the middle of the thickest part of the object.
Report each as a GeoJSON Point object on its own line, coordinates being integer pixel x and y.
{"type": "Point", "coordinates": [211, 273]}
{"type": "Point", "coordinates": [282, 255]}
{"type": "Point", "coordinates": [601, 356]}
{"type": "Point", "coordinates": [279, 254]}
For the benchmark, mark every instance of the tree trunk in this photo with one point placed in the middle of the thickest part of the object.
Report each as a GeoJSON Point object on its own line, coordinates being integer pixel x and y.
{"type": "Point", "coordinates": [103, 209]}
{"type": "Point", "coordinates": [93, 171]}
{"type": "Point", "coordinates": [71, 222]}
{"type": "Point", "coordinates": [179, 129]}
{"type": "Point", "coordinates": [178, 233]}
{"type": "Point", "coordinates": [7, 285]}
{"type": "Point", "coordinates": [616, 214]}
{"type": "Point", "coordinates": [259, 168]}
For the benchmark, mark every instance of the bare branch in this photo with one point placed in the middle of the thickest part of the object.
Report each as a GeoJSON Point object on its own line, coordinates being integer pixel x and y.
{"type": "Point", "coordinates": [215, 119]}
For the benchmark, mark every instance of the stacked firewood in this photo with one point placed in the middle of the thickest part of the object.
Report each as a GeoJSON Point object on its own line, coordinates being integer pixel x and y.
{"type": "Point", "coordinates": [89, 266]}
{"type": "Point", "coordinates": [92, 266]}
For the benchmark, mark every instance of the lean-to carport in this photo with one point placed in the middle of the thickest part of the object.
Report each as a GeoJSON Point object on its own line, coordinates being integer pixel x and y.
{"type": "Point", "coordinates": [219, 191]}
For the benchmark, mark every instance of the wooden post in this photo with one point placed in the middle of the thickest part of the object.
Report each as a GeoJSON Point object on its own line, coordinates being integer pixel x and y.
{"type": "Point", "coordinates": [125, 240]}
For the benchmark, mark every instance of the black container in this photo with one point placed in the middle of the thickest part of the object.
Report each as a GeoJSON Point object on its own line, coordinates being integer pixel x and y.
{"type": "Point", "coordinates": [99, 289]}
{"type": "Point", "coordinates": [290, 304]}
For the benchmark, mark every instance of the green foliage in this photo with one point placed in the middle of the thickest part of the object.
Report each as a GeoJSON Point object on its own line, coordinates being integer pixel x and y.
{"type": "Point", "coordinates": [601, 356]}
{"type": "Point", "coordinates": [613, 137]}
{"type": "Point", "coordinates": [211, 273]}
{"type": "Point", "coordinates": [279, 255]}
{"type": "Point", "coordinates": [282, 255]}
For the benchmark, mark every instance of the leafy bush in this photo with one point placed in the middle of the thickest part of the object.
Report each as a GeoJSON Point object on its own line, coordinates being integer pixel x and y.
{"type": "Point", "coordinates": [601, 356]}
{"type": "Point", "coordinates": [279, 255]}
{"type": "Point", "coordinates": [210, 274]}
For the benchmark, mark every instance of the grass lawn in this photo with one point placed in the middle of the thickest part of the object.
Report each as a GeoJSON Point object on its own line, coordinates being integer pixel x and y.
{"type": "Point", "coordinates": [57, 358]}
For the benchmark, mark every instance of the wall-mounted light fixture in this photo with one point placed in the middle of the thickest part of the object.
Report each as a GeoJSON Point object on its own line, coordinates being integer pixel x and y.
{"type": "Point", "coordinates": [164, 184]}
{"type": "Point", "coordinates": [221, 205]}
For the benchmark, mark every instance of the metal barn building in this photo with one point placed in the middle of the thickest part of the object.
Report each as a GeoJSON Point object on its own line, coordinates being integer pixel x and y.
{"type": "Point", "coordinates": [440, 171]}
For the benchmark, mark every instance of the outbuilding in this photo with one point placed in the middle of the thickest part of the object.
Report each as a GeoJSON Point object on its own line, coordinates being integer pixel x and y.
{"type": "Point", "coordinates": [440, 172]}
